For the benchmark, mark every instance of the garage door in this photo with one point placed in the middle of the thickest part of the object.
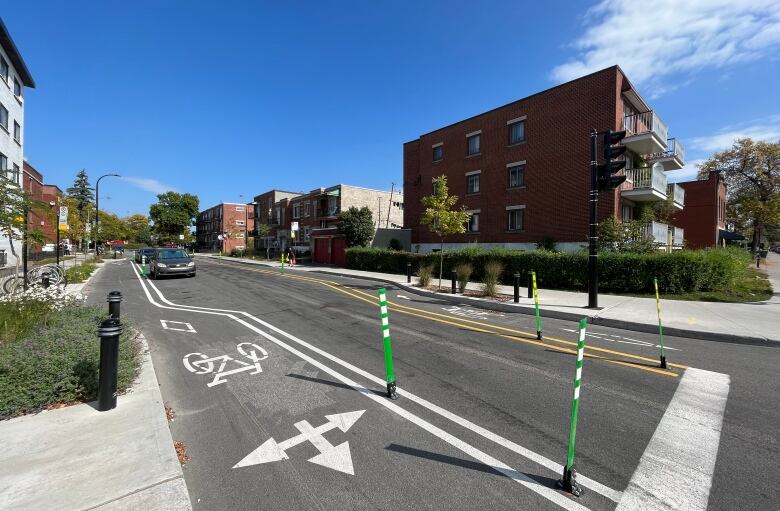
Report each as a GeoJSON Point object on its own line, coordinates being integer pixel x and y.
{"type": "Point", "coordinates": [321, 252]}
{"type": "Point", "coordinates": [338, 253]}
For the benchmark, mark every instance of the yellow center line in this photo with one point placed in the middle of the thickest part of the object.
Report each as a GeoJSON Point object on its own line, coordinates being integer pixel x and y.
{"type": "Point", "coordinates": [478, 326]}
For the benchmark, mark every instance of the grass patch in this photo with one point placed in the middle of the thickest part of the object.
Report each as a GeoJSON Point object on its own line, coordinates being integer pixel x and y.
{"type": "Point", "coordinates": [57, 360]}
{"type": "Point", "coordinates": [76, 274]}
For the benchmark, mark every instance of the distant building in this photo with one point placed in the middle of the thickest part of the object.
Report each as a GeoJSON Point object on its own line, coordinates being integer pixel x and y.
{"type": "Point", "coordinates": [704, 216]}
{"type": "Point", "coordinates": [224, 227]}
{"type": "Point", "coordinates": [522, 169]}
{"type": "Point", "coordinates": [32, 182]}
{"type": "Point", "coordinates": [15, 77]}
{"type": "Point", "coordinates": [315, 214]}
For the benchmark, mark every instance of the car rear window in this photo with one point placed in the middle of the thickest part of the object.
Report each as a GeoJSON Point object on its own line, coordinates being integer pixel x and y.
{"type": "Point", "coordinates": [172, 254]}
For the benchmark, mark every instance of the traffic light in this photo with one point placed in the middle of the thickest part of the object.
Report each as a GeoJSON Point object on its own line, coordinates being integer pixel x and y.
{"type": "Point", "coordinates": [607, 180]}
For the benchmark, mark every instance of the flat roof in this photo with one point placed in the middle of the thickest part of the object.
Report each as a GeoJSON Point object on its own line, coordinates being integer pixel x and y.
{"type": "Point", "coordinates": [16, 58]}
{"type": "Point", "coordinates": [614, 67]}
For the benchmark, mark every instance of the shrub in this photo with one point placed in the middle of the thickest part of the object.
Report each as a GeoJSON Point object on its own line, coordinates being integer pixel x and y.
{"type": "Point", "coordinates": [623, 272]}
{"type": "Point", "coordinates": [76, 274]}
{"type": "Point", "coordinates": [491, 277]}
{"type": "Point", "coordinates": [58, 362]}
{"type": "Point", "coordinates": [395, 244]}
{"type": "Point", "coordinates": [464, 271]}
{"type": "Point", "coordinates": [547, 243]}
{"type": "Point", "coordinates": [425, 273]}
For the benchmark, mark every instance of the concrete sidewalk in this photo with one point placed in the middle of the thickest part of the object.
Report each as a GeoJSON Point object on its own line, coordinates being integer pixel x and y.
{"type": "Point", "coordinates": [753, 322]}
{"type": "Point", "coordinates": [77, 458]}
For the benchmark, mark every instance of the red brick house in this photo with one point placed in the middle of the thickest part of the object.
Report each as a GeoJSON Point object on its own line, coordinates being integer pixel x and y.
{"type": "Point", "coordinates": [704, 216]}
{"type": "Point", "coordinates": [32, 182]}
{"type": "Point", "coordinates": [522, 169]}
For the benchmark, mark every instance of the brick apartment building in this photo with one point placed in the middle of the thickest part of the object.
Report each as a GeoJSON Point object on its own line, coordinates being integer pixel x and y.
{"type": "Point", "coordinates": [522, 169]}
{"type": "Point", "coordinates": [32, 182]}
{"type": "Point", "coordinates": [224, 227]}
{"type": "Point", "coordinates": [704, 216]}
{"type": "Point", "coordinates": [316, 213]}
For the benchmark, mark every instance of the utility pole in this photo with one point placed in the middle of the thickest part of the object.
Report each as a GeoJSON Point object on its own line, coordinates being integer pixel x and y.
{"type": "Point", "coordinates": [387, 222]}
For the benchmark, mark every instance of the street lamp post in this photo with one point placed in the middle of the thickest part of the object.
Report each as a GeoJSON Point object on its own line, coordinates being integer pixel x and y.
{"type": "Point", "coordinates": [97, 207]}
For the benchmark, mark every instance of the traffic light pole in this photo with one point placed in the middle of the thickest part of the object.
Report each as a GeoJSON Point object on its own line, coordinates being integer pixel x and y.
{"type": "Point", "coordinates": [593, 255]}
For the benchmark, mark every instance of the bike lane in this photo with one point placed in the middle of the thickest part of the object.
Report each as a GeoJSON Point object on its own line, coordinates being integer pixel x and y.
{"type": "Point", "coordinates": [285, 430]}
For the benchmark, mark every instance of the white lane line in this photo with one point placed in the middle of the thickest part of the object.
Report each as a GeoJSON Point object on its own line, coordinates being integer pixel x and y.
{"type": "Point", "coordinates": [555, 467]}
{"type": "Point", "coordinates": [550, 494]}
{"type": "Point", "coordinates": [675, 471]}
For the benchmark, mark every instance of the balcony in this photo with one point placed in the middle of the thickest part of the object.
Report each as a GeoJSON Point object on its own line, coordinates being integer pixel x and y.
{"type": "Point", "coordinates": [678, 236]}
{"type": "Point", "coordinates": [645, 184]}
{"type": "Point", "coordinates": [677, 193]}
{"type": "Point", "coordinates": [646, 133]}
{"type": "Point", "coordinates": [657, 232]}
{"type": "Point", "coordinates": [672, 158]}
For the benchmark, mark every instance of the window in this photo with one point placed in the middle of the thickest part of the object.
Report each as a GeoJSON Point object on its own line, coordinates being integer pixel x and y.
{"type": "Point", "coordinates": [15, 173]}
{"type": "Point", "coordinates": [17, 132]}
{"type": "Point", "coordinates": [3, 163]}
{"type": "Point", "coordinates": [516, 131]}
{"type": "Point", "coordinates": [4, 117]}
{"type": "Point", "coordinates": [473, 224]}
{"type": "Point", "coordinates": [296, 211]}
{"type": "Point", "coordinates": [515, 218]}
{"type": "Point", "coordinates": [333, 205]}
{"type": "Point", "coordinates": [240, 209]}
{"type": "Point", "coordinates": [3, 69]}
{"type": "Point", "coordinates": [17, 88]}
{"type": "Point", "coordinates": [438, 152]}
{"type": "Point", "coordinates": [307, 209]}
{"type": "Point", "coordinates": [473, 143]}
{"type": "Point", "coordinates": [516, 172]}
{"type": "Point", "coordinates": [239, 222]}
{"type": "Point", "coordinates": [472, 185]}
{"type": "Point", "coordinates": [306, 233]}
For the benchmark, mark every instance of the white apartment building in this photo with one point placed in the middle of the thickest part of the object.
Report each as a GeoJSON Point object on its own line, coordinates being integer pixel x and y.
{"type": "Point", "coordinates": [14, 77]}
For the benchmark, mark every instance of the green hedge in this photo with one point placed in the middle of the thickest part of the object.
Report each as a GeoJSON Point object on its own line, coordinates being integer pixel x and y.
{"type": "Point", "coordinates": [678, 272]}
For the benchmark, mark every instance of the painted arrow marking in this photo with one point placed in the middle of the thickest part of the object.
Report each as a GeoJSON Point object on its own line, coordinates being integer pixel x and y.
{"type": "Point", "coordinates": [335, 457]}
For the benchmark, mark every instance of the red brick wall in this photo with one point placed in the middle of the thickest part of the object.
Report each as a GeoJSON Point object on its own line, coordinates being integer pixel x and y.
{"type": "Point", "coordinates": [32, 182]}
{"type": "Point", "coordinates": [557, 155]}
{"type": "Point", "coordinates": [704, 213]}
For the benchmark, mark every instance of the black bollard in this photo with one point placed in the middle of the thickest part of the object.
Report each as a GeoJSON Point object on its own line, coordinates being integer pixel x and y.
{"type": "Point", "coordinates": [454, 277]}
{"type": "Point", "coordinates": [408, 273]}
{"type": "Point", "coordinates": [530, 285]}
{"type": "Point", "coordinates": [517, 288]}
{"type": "Point", "coordinates": [758, 260]}
{"type": "Point", "coordinates": [114, 299]}
{"type": "Point", "coordinates": [45, 281]}
{"type": "Point", "coordinates": [109, 332]}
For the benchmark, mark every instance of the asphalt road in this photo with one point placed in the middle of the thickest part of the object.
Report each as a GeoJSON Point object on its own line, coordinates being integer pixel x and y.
{"type": "Point", "coordinates": [483, 415]}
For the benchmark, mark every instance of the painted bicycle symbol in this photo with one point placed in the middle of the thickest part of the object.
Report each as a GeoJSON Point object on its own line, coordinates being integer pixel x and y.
{"type": "Point", "coordinates": [199, 363]}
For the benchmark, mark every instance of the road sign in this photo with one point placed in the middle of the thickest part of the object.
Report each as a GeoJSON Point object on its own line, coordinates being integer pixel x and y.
{"type": "Point", "coordinates": [63, 219]}
{"type": "Point", "coordinates": [294, 226]}
{"type": "Point", "coordinates": [63, 212]}
{"type": "Point", "coordinates": [335, 457]}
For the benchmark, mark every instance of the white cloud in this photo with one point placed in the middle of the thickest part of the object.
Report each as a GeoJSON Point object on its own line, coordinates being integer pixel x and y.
{"type": "Point", "coordinates": [656, 42]}
{"type": "Point", "coordinates": [150, 185]}
{"type": "Point", "coordinates": [766, 129]}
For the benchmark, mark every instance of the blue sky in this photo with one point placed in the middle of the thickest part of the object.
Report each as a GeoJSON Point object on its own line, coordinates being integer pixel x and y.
{"type": "Point", "coordinates": [225, 98]}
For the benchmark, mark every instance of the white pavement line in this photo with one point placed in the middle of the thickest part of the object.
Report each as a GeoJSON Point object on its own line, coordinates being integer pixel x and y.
{"type": "Point", "coordinates": [675, 471]}
{"type": "Point", "coordinates": [548, 493]}
{"type": "Point", "coordinates": [555, 467]}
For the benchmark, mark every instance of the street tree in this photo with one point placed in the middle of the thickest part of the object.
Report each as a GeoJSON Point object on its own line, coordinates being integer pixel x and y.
{"type": "Point", "coordinates": [751, 171]}
{"type": "Point", "coordinates": [15, 206]}
{"type": "Point", "coordinates": [357, 226]}
{"type": "Point", "coordinates": [112, 227]}
{"type": "Point", "coordinates": [173, 214]}
{"type": "Point", "coordinates": [82, 193]}
{"type": "Point", "coordinates": [441, 217]}
{"type": "Point", "coordinates": [138, 229]}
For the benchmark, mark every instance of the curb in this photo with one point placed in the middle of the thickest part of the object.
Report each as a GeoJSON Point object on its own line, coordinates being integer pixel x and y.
{"type": "Point", "coordinates": [529, 310]}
